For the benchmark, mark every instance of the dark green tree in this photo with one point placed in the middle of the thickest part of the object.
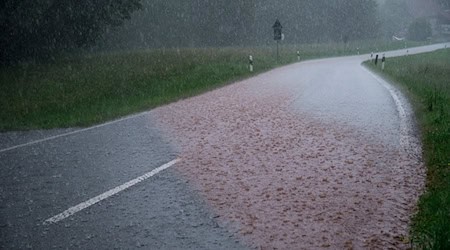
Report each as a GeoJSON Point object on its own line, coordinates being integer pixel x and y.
{"type": "Point", "coordinates": [353, 19]}
{"type": "Point", "coordinates": [180, 23]}
{"type": "Point", "coordinates": [419, 30]}
{"type": "Point", "coordinates": [444, 4]}
{"type": "Point", "coordinates": [37, 29]}
{"type": "Point", "coordinates": [395, 17]}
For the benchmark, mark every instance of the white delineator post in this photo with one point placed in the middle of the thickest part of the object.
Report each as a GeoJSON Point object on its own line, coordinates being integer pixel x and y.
{"type": "Point", "coordinates": [382, 62]}
{"type": "Point", "coordinates": [298, 55]}
{"type": "Point", "coordinates": [250, 63]}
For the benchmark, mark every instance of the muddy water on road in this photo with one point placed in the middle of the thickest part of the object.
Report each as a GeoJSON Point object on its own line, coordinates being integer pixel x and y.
{"type": "Point", "coordinates": [281, 178]}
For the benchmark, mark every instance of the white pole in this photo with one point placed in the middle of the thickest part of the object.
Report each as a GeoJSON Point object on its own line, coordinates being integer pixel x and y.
{"type": "Point", "coordinates": [298, 55]}
{"type": "Point", "coordinates": [250, 62]}
{"type": "Point", "coordinates": [278, 53]}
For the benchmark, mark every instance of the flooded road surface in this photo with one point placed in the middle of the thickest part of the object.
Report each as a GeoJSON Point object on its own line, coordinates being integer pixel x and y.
{"type": "Point", "coordinates": [319, 154]}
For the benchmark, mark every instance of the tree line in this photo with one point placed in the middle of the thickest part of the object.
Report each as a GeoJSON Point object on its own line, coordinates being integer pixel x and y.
{"type": "Point", "coordinates": [41, 28]}
{"type": "Point", "coordinates": [178, 23]}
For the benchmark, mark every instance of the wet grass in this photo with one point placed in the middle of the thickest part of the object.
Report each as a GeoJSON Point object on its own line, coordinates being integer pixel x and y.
{"type": "Point", "coordinates": [426, 78]}
{"type": "Point", "coordinates": [93, 88]}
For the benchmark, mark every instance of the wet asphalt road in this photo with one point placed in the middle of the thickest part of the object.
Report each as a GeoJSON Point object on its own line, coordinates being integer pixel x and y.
{"type": "Point", "coordinates": [339, 90]}
{"type": "Point", "coordinates": [347, 95]}
{"type": "Point", "coordinates": [41, 180]}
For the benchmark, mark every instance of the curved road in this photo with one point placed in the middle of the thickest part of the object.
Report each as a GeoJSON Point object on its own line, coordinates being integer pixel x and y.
{"type": "Point", "coordinates": [316, 154]}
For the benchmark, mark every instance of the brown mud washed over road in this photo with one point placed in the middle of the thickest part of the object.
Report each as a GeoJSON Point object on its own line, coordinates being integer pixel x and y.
{"type": "Point", "coordinates": [282, 179]}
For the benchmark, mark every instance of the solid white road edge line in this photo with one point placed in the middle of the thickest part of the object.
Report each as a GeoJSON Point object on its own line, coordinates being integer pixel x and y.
{"type": "Point", "coordinates": [75, 209]}
{"type": "Point", "coordinates": [407, 140]}
{"type": "Point", "coordinates": [72, 133]}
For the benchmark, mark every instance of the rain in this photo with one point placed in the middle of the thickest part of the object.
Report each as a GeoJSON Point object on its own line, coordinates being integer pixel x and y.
{"type": "Point", "coordinates": [224, 124]}
{"type": "Point", "coordinates": [41, 28]}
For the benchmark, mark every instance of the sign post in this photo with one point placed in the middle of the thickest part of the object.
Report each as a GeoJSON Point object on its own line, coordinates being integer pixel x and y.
{"type": "Point", "coordinates": [277, 35]}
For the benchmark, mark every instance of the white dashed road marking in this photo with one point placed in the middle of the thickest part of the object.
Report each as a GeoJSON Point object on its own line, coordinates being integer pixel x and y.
{"type": "Point", "coordinates": [75, 209]}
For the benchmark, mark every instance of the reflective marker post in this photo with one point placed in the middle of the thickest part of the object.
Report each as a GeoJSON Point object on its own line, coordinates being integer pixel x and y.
{"type": "Point", "coordinates": [383, 59]}
{"type": "Point", "coordinates": [278, 53]}
{"type": "Point", "coordinates": [298, 55]}
{"type": "Point", "coordinates": [250, 63]}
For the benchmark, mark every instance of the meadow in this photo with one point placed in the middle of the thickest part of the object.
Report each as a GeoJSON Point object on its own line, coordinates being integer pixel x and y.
{"type": "Point", "coordinates": [77, 91]}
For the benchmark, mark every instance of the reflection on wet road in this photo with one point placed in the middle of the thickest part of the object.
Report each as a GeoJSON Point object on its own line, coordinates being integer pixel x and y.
{"type": "Point", "coordinates": [45, 179]}
{"type": "Point", "coordinates": [311, 155]}
{"type": "Point", "coordinates": [305, 156]}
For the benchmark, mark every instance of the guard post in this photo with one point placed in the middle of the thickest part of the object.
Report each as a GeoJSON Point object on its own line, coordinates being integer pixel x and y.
{"type": "Point", "coordinates": [277, 35]}
{"type": "Point", "coordinates": [383, 59]}
{"type": "Point", "coordinates": [250, 63]}
{"type": "Point", "coordinates": [298, 55]}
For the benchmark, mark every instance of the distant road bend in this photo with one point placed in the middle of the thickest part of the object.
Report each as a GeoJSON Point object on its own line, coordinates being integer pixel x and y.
{"type": "Point", "coordinates": [317, 154]}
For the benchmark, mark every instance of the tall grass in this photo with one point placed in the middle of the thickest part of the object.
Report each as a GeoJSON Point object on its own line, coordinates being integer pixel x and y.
{"type": "Point", "coordinates": [88, 89]}
{"type": "Point", "coordinates": [426, 78]}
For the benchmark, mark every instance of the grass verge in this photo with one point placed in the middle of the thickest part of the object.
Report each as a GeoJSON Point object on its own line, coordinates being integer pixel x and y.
{"type": "Point", "coordinates": [426, 78]}
{"type": "Point", "coordinates": [93, 88]}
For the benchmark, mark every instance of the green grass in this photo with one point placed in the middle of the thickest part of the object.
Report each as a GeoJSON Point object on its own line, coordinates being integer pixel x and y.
{"type": "Point", "coordinates": [426, 78]}
{"type": "Point", "coordinates": [89, 89]}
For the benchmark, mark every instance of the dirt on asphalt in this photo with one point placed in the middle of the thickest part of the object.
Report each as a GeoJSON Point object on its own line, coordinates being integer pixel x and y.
{"type": "Point", "coordinates": [284, 179]}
